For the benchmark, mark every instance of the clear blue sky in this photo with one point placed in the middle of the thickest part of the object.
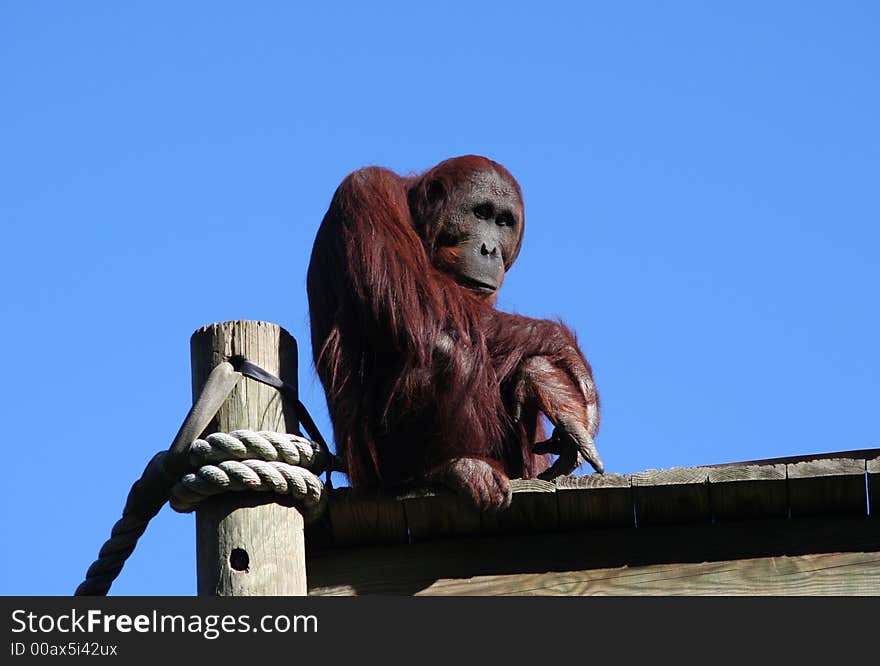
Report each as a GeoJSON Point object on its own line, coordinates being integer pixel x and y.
{"type": "Point", "coordinates": [701, 203]}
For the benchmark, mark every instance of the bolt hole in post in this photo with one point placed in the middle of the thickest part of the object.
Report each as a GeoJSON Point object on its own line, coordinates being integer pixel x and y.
{"type": "Point", "coordinates": [266, 531]}
{"type": "Point", "coordinates": [239, 560]}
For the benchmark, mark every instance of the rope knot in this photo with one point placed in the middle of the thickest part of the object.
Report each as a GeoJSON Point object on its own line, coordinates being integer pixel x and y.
{"type": "Point", "coordinates": [266, 461]}
{"type": "Point", "coordinates": [240, 460]}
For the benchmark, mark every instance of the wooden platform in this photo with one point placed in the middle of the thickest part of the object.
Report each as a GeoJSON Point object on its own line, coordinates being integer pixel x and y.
{"type": "Point", "coordinates": [772, 528]}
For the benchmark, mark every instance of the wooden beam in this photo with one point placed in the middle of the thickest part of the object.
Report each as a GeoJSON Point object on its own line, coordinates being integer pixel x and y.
{"type": "Point", "coordinates": [359, 517]}
{"type": "Point", "coordinates": [680, 495]}
{"type": "Point", "coordinates": [677, 495]}
{"type": "Point", "coordinates": [532, 509]}
{"type": "Point", "coordinates": [835, 574]}
{"type": "Point", "coordinates": [834, 486]}
{"type": "Point", "coordinates": [248, 544]}
{"type": "Point", "coordinates": [439, 514]}
{"type": "Point", "coordinates": [595, 500]}
{"type": "Point", "coordinates": [417, 567]}
{"type": "Point", "coordinates": [748, 492]}
{"type": "Point", "coordinates": [873, 468]}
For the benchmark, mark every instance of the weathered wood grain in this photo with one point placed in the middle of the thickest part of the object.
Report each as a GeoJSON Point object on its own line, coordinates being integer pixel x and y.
{"type": "Point", "coordinates": [363, 518]}
{"type": "Point", "coordinates": [438, 514]}
{"type": "Point", "coordinates": [266, 530]}
{"type": "Point", "coordinates": [409, 569]}
{"type": "Point", "coordinates": [748, 492]}
{"type": "Point", "coordinates": [873, 468]}
{"type": "Point", "coordinates": [827, 574]}
{"type": "Point", "coordinates": [595, 500]}
{"type": "Point", "coordinates": [248, 544]}
{"type": "Point", "coordinates": [832, 486]}
{"type": "Point", "coordinates": [677, 495]}
{"type": "Point", "coordinates": [532, 509]}
{"type": "Point", "coordinates": [698, 523]}
{"type": "Point", "coordinates": [268, 345]}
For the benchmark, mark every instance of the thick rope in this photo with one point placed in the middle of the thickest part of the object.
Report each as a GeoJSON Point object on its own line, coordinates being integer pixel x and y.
{"type": "Point", "coordinates": [246, 460]}
{"type": "Point", "coordinates": [241, 460]}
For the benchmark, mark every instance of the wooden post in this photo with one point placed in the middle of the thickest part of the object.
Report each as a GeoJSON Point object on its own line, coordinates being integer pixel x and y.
{"type": "Point", "coordinates": [248, 544]}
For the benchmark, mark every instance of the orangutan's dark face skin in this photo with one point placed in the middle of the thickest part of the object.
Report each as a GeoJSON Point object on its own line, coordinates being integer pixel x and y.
{"type": "Point", "coordinates": [481, 232]}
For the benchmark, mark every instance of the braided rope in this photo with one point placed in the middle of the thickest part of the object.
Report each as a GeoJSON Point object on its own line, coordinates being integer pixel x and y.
{"type": "Point", "coordinates": [115, 551]}
{"type": "Point", "coordinates": [241, 460]}
{"type": "Point", "coordinates": [248, 460]}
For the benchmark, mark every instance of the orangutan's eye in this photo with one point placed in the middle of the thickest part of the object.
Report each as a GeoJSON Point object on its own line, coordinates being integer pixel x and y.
{"type": "Point", "coordinates": [483, 211]}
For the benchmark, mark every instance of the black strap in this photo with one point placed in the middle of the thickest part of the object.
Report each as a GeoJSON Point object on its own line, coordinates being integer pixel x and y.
{"type": "Point", "coordinates": [252, 370]}
{"type": "Point", "coordinates": [290, 393]}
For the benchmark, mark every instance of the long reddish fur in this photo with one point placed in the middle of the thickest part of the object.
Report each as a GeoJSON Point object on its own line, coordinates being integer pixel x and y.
{"type": "Point", "coordinates": [378, 307]}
